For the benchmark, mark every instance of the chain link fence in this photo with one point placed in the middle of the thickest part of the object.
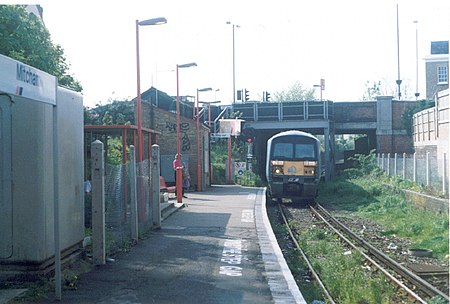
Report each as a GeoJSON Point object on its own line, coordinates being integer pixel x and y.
{"type": "Point", "coordinates": [118, 195]}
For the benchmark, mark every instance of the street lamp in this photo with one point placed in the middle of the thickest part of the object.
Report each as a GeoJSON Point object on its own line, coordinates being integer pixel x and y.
{"type": "Point", "coordinates": [199, 179]}
{"type": "Point", "coordinates": [417, 63]}
{"type": "Point", "coordinates": [179, 176]}
{"type": "Point", "coordinates": [398, 81]}
{"type": "Point", "coordinates": [321, 86]}
{"type": "Point", "coordinates": [154, 21]}
{"type": "Point", "coordinates": [234, 63]}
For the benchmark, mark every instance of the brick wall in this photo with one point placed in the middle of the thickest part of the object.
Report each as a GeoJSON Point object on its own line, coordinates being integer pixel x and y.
{"type": "Point", "coordinates": [355, 111]}
{"type": "Point", "coordinates": [166, 122]}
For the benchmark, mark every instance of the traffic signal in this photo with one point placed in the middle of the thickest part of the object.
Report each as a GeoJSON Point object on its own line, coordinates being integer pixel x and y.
{"type": "Point", "coordinates": [267, 96]}
{"type": "Point", "coordinates": [246, 95]}
{"type": "Point", "coordinates": [239, 94]}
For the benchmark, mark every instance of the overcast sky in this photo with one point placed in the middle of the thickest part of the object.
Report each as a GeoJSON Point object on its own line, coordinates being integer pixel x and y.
{"type": "Point", "coordinates": [277, 43]}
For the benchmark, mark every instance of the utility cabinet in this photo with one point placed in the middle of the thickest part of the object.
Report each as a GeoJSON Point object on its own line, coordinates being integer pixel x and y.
{"type": "Point", "coordinates": [27, 172]}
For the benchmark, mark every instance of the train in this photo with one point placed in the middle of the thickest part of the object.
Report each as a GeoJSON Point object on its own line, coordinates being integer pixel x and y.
{"type": "Point", "coordinates": [293, 166]}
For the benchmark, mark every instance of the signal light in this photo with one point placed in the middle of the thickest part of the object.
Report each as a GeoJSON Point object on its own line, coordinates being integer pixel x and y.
{"type": "Point", "coordinates": [249, 140]}
{"type": "Point", "coordinates": [246, 95]}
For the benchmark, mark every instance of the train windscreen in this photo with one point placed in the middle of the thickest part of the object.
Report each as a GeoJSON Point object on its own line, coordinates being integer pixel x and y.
{"type": "Point", "coordinates": [293, 150]}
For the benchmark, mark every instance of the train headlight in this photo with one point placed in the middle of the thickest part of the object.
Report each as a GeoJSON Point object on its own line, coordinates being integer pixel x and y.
{"type": "Point", "coordinates": [309, 163]}
{"type": "Point", "coordinates": [277, 162]}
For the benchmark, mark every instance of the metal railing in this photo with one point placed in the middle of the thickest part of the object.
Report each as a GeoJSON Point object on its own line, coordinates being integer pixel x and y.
{"type": "Point", "coordinates": [281, 111]}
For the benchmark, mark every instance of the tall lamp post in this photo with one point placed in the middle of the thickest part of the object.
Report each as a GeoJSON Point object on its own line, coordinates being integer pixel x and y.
{"type": "Point", "coordinates": [178, 171]}
{"type": "Point", "coordinates": [154, 21]}
{"type": "Point", "coordinates": [321, 86]}
{"type": "Point", "coordinates": [417, 62]}
{"type": "Point", "coordinates": [234, 63]}
{"type": "Point", "coordinates": [199, 171]}
{"type": "Point", "coordinates": [398, 81]}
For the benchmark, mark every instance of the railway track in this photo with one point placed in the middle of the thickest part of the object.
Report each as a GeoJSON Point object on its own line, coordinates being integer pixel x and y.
{"type": "Point", "coordinates": [414, 286]}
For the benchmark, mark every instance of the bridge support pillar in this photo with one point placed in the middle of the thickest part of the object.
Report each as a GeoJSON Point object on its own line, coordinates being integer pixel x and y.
{"type": "Point", "coordinates": [329, 152]}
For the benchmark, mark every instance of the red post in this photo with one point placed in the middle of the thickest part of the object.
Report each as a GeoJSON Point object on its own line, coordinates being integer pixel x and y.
{"type": "Point", "coordinates": [179, 175]}
{"type": "Point", "coordinates": [139, 101]}
{"type": "Point", "coordinates": [124, 163]}
{"type": "Point", "coordinates": [229, 160]}
{"type": "Point", "coordinates": [199, 171]}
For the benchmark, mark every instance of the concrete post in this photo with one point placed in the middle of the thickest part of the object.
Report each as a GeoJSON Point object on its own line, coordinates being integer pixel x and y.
{"type": "Point", "coordinates": [395, 164]}
{"type": "Point", "coordinates": [404, 166]}
{"type": "Point", "coordinates": [444, 173]}
{"type": "Point", "coordinates": [414, 167]}
{"type": "Point", "coordinates": [388, 165]}
{"type": "Point", "coordinates": [428, 168]}
{"type": "Point", "coordinates": [155, 173]}
{"type": "Point", "coordinates": [98, 203]}
{"type": "Point", "coordinates": [382, 161]}
{"type": "Point", "coordinates": [133, 196]}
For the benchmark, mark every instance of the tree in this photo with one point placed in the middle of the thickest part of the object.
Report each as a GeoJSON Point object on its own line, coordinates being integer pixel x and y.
{"type": "Point", "coordinates": [372, 91]}
{"type": "Point", "coordinates": [382, 88]}
{"type": "Point", "coordinates": [118, 112]}
{"type": "Point", "coordinates": [23, 37]}
{"type": "Point", "coordinates": [407, 117]}
{"type": "Point", "coordinates": [295, 92]}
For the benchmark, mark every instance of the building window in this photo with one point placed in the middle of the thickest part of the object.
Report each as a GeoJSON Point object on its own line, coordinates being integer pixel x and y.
{"type": "Point", "coordinates": [442, 75]}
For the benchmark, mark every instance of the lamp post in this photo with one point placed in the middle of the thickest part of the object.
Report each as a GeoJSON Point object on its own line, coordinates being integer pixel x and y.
{"type": "Point", "coordinates": [234, 63]}
{"type": "Point", "coordinates": [417, 62]}
{"type": "Point", "coordinates": [178, 176]}
{"type": "Point", "coordinates": [321, 86]}
{"type": "Point", "coordinates": [398, 81]}
{"type": "Point", "coordinates": [154, 21]}
{"type": "Point", "coordinates": [199, 171]}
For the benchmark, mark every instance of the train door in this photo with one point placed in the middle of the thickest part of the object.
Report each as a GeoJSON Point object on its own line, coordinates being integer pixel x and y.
{"type": "Point", "coordinates": [5, 178]}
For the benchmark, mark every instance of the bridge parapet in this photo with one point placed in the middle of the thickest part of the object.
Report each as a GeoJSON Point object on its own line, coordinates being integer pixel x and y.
{"type": "Point", "coordinates": [285, 110]}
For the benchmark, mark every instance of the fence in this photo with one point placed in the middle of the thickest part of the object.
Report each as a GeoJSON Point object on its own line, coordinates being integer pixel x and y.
{"type": "Point", "coordinates": [426, 170]}
{"type": "Point", "coordinates": [119, 198]}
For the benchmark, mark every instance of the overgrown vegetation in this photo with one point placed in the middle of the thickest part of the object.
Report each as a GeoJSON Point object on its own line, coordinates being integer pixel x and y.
{"type": "Point", "coordinates": [407, 117]}
{"type": "Point", "coordinates": [342, 272]}
{"type": "Point", "coordinates": [363, 189]}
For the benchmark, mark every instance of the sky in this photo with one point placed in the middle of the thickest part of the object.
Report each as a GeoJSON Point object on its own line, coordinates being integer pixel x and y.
{"type": "Point", "coordinates": [276, 44]}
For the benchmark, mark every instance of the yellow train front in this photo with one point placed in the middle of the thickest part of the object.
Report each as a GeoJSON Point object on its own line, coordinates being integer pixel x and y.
{"type": "Point", "coordinates": [293, 166]}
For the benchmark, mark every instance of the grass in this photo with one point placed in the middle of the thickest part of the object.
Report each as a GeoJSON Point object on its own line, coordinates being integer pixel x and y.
{"type": "Point", "coordinates": [343, 271]}
{"type": "Point", "coordinates": [363, 190]}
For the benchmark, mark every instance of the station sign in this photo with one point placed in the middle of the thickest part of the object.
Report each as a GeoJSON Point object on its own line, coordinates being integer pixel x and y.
{"type": "Point", "coordinates": [22, 80]}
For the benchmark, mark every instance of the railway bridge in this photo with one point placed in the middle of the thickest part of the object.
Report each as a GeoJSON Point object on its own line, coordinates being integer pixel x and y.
{"type": "Point", "coordinates": [380, 121]}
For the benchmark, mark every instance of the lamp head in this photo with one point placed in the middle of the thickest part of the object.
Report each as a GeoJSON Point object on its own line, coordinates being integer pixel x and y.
{"type": "Point", "coordinates": [153, 21]}
{"type": "Point", "coordinates": [186, 65]}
